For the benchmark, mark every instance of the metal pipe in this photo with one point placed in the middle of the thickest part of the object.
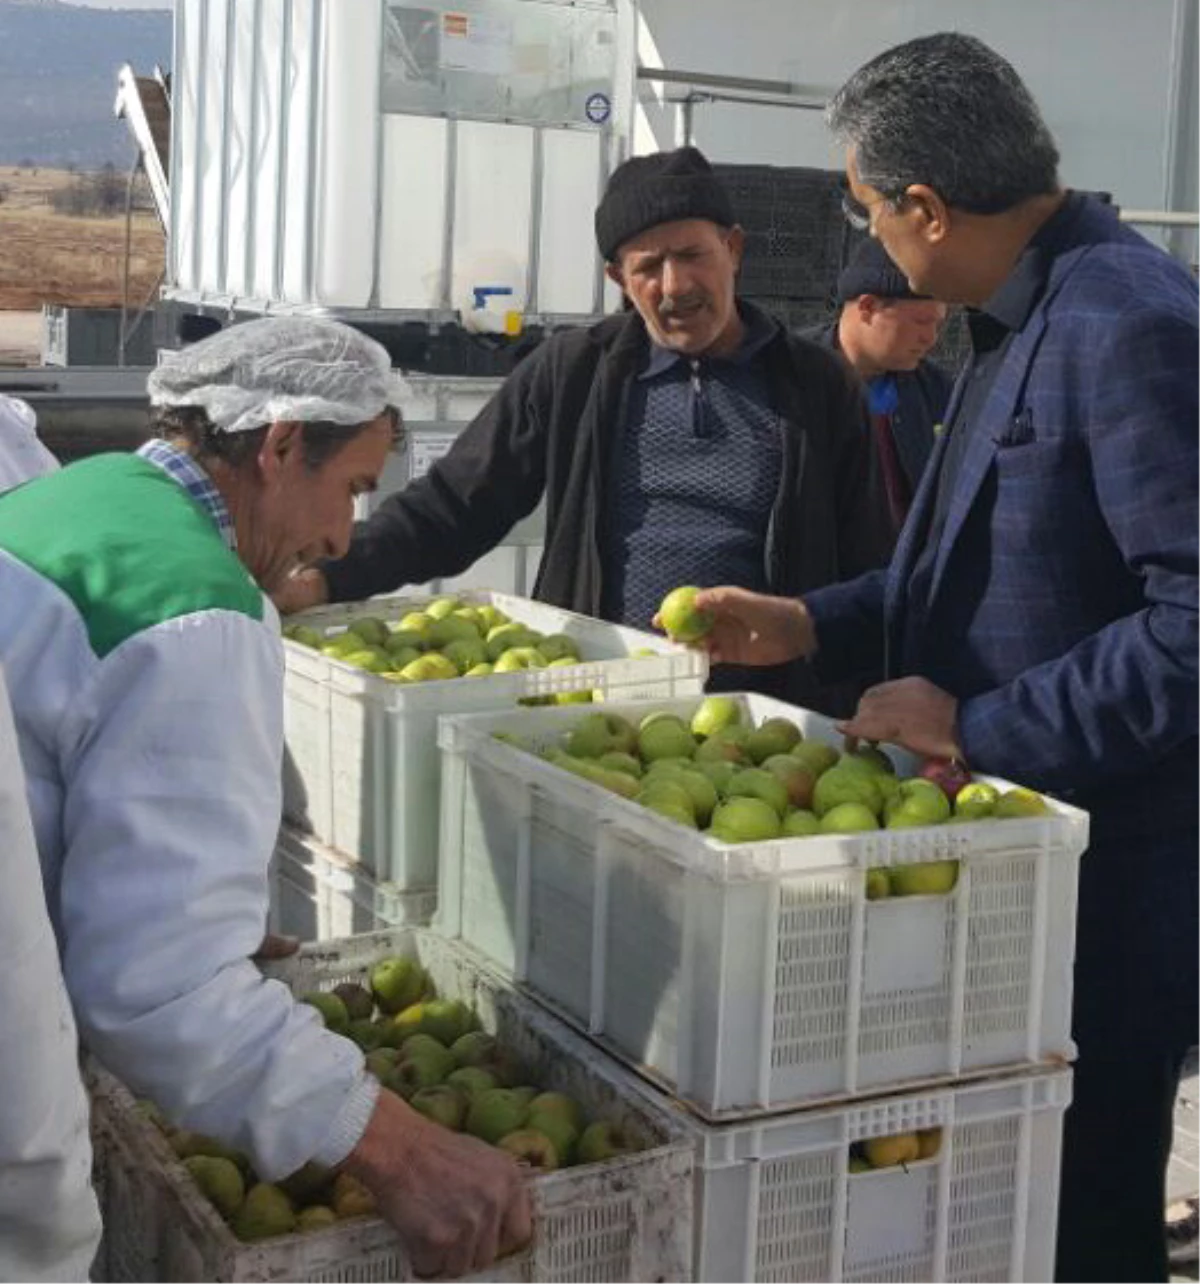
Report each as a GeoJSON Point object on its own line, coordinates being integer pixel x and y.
{"type": "Point", "coordinates": [1163, 218]}
{"type": "Point", "coordinates": [133, 173]}
{"type": "Point", "coordinates": [782, 88]}
{"type": "Point", "coordinates": [704, 96]}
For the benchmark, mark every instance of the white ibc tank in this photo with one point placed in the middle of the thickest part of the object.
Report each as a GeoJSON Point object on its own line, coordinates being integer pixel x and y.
{"type": "Point", "coordinates": [374, 155]}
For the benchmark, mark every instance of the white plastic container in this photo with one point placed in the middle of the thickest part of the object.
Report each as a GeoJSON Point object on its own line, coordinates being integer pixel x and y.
{"type": "Point", "coordinates": [624, 1219]}
{"type": "Point", "coordinates": [366, 749]}
{"type": "Point", "coordinates": [756, 977]}
{"type": "Point", "coordinates": [775, 1199]}
{"type": "Point", "coordinates": [319, 895]}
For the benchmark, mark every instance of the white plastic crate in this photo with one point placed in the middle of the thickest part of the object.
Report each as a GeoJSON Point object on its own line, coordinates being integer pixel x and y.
{"type": "Point", "coordinates": [624, 1219]}
{"type": "Point", "coordinates": [755, 977]}
{"type": "Point", "coordinates": [317, 894]}
{"type": "Point", "coordinates": [366, 749]}
{"type": "Point", "coordinates": [775, 1199]}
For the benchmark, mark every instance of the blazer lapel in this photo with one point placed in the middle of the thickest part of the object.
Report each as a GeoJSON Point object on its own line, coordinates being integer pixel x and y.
{"type": "Point", "coordinates": [994, 421]}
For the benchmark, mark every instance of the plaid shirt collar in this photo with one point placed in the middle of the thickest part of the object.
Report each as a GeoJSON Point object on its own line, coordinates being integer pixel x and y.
{"type": "Point", "coordinates": [184, 469]}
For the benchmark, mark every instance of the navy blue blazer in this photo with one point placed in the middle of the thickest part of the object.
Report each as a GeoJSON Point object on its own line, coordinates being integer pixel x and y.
{"type": "Point", "coordinates": [1063, 607]}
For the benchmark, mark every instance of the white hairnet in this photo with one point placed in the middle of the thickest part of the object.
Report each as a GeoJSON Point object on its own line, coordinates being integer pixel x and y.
{"type": "Point", "coordinates": [278, 369]}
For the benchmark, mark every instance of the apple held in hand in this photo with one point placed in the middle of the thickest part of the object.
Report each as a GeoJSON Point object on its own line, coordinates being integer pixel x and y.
{"type": "Point", "coordinates": [680, 617]}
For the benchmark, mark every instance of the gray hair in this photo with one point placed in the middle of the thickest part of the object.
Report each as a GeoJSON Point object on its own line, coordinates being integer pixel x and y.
{"type": "Point", "coordinates": [948, 112]}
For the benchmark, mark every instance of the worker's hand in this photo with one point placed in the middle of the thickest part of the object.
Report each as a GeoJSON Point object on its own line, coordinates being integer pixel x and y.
{"type": "Point", "coordinates": [911, 712]}
{"type": "Point", "coordinates": [276, 947]}
{"type": "Point", "coordinates": [753, 628]}
{"type": "Point", "coordinates": [300, 591]}
{"type": "Point", "coordinates": [457, 1203]}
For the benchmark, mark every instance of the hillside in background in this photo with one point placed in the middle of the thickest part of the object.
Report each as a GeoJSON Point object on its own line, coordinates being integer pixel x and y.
{"type": "Point", "coordinates": [58, 79]}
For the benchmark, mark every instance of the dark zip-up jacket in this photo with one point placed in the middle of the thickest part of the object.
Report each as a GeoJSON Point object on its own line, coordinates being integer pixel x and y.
{"type": "Point", "coordinates": [548, 431]}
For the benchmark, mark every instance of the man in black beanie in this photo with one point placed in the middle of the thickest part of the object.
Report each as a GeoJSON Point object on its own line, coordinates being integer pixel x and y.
{"type": "Point", "coordinates": [688, 440]}
{"type": "Point", "coordinates": [886, 332]}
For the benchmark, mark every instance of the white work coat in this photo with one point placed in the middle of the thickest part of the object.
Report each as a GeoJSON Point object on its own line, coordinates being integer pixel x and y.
{"type": "Point", "coordinates": [49, 1221]}
{"type": "Point", "coordinates": [22, 455]}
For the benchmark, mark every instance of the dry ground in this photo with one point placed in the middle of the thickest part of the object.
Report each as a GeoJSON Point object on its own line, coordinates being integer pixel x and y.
{"type": "Point", "coordinates": [79, 262]}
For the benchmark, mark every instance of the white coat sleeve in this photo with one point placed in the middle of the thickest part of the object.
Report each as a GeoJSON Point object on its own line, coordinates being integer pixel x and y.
{"type": "Point", "coordinates": [172, 805]}
{"type": "Point", "coordinates": [49, 1221]}
{"type": "Point", "coordinates": [22, 455]}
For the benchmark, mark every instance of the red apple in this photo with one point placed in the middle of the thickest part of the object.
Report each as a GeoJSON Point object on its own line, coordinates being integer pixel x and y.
{"type": "Point", "coordinates": [947, 773]}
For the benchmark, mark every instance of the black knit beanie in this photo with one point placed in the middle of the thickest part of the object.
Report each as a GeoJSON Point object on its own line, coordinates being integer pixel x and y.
{"type": "Point", "coordinates": [871, 271]}
{"type": "Point", "coordinates": [661, 188]}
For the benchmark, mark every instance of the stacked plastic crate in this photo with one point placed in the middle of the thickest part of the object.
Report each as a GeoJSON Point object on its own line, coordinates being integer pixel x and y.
{"type": "Point", "coordinates": [875, 1087]}
{"type": "Point", "coordinates": [359, 847]}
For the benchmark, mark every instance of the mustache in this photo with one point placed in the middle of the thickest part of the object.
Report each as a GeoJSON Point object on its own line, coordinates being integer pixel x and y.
{"type": "Point", "coordinates": [682, 302]}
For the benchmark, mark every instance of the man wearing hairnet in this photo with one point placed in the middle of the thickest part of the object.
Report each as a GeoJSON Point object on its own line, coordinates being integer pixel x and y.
{"type": "Point", "coordinates": [143, 657]}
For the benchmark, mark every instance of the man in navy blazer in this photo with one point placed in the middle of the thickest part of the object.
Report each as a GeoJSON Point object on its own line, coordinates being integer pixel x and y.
{"type": "Point", "coordinates": [1039, 617]}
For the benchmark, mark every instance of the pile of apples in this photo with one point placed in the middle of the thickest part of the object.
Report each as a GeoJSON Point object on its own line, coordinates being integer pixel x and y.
{"type": "Point", "coordinates": [447, 639]}
{"type": "Point", "coordinates": [896, 1151]}
{"type": "Point", "coordinates": [432, 1053]}
{"type": "Point", "coordinates": [744, 784]}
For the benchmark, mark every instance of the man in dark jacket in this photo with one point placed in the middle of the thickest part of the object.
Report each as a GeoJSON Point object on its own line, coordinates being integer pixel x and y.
{"type": "Point", "coordinates": [886, 332]}
{"type": "Point", "coordinates": [689, 440]}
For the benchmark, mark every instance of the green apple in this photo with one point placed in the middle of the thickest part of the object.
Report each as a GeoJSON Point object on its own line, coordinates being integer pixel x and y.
{"type": "Point", "coordinates": [870, 758]}
{"type": "Point", "coordinates": [563, 1134]}
{"type": "Point", "coordinates": [615, 760]}
{"type": "Point", "coordinates": [430, 667]}
{"type": "Point", "coordinates": [848, 818]}
{"type": "Point", "coordinates": [671, 795]}
{"type": "Point", "coordinates": [315, 1217]}
{"type": "Point", "coordinates": [479, 671]}
{"type": "Point", "coordinates": [559, 1105]}
{"type": "Point", "coordinates": [266, 1211]}
{"type": "Point", "coordinates": [1020, 802]}
{"type": "Point", "coordinates": [402, 657]}
{"type": "Point", "coordinates": [558, 646]}
{"type": "Point", "coordinates": [795, 776]}
{"type": "Point", "coordinates": [878, 884]}
{"type": "Point", "coordinates": [305, 636]}
{"type": "Point", "coordinates": [755, 782]}
{"type": "Point", "coordinates": [381, 1062]}
{"type": "Point", "coordinates": [332, 1009]}
{"type": "Point", "coordinates": [519, 658]}
{"type": "Point", "coordinates": [930, 878]}
{"type": "Point", "coordinates": [816, 756]}
{"type": "Point", "coordinates": [916, 803]}
{"type": "Point", "coordinates": [774, 736]}
{"type": "Point", "coordinates": [495, 1113]}
{"type": "Point", "coordinates": [680, 618]}
{"type": "Point", "coordinates": [447, 1020]}
{"type": "Point", "coordinates": [472, 1079]}
{"type": "Point", "coordinates": [976, 801]}
{"type": "Point", "coordinates": [220, 1180]}
{"type": "Point", "coordinates": [472, 614]}
{"type": "Point", "coordinates": [616, 782]}
{"type": "Point", "coordinates": [726, 745]}
{"type": "Point", "coordinates": [417, 622]}
{"type": "Point", "coordinates": [714, 714]}
{"type": "Point", "coordinates": [441, 1103]}
{"type": "Point", "coordinates": [504, 637]}
{"type": "Point", "coordinates": [531, 1148]}
{"type": "Point", "coordinates": [441, 607]}
{"type": "Point", "coordinates": [718, 771]}
{"type": "Point", "coordinates": [665, 737]}
{"type": "Point", "coordinates": [846, 785]}
{"type": "Point", "coordinates": [491, 616]}
{"type": "Point", "coordinates": [397, 983]}
{"type": "Point", "coordinates": [373, 631]}
{"type": "Point", "coordinates": [799, 823]}
{"type": "Point", "coordinates": [453, 629]}
{"type": "Point", "coordinates": [370, 661]}
{"type": "Point", "coordinates": [473, 1048]}
{"type": "Point", "coordinates": [745, 820]}
{"type": "Point", "coordinates": [600, 1141]}
{"type": "Point", "coordinates": [403, 639]}
{"type": "Point", "coordinates": [600, 733]}
{"type": "Point", "coordinates": [465, 653]}
{"type": "Point", "coordinates": [702, 790]}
